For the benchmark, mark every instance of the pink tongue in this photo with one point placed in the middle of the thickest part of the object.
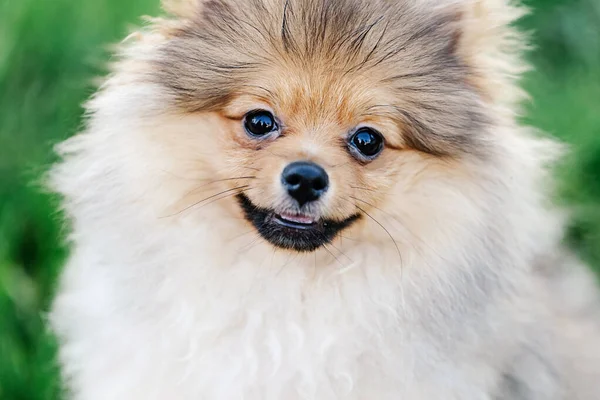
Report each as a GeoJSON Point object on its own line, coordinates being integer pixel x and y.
{"type": "Point", "coordinates": [300, 219]}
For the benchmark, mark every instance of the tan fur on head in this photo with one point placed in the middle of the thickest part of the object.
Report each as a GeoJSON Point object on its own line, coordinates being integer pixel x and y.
{"type": "Point", "coordinates": [431, 289]}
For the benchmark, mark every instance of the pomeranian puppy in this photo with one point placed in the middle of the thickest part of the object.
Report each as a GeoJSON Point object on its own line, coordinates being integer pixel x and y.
{"type": "Point", "coordinates": [319, 199]}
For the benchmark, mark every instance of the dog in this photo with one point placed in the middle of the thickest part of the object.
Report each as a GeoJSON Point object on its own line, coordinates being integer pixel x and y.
{"type": "Point", "coordinates": [319, 199]}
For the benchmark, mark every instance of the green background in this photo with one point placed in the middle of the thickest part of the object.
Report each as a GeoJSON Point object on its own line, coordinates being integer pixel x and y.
{"type": "Point", "coordinates": [50, 51]}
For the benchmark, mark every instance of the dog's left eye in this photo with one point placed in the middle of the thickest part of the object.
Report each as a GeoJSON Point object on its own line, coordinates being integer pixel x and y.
{"type": "Point", "coordinates": [259, 123]}
{"type": "Point", "coordinates": [366, 143]}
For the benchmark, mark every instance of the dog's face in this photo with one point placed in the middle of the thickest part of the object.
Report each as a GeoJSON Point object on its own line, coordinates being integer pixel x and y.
{"type": "Point", "coordinates": [316, 148]}
{"type": "Point", "coordinates": [312, 115]}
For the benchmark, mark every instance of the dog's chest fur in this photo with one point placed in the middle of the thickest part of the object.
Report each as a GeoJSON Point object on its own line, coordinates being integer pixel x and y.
{"type": "Point", "coordinates": [278, 327]}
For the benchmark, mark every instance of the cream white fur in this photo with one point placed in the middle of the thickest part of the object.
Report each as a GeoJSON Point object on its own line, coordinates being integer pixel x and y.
{"type": "Point", "coordinates": [162, 305]}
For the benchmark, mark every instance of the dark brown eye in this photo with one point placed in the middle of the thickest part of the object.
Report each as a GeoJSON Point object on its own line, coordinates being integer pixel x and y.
{"type": "Point", "coordinates": [259, 123]}
{"type": "Point", "coordinates": [367, 142]}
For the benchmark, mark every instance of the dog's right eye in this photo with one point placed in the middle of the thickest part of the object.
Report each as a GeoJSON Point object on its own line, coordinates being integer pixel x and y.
{"type": "Point", "coordinates": [259, 123]}
{"type": "Point", "coordinates": [366, 144]}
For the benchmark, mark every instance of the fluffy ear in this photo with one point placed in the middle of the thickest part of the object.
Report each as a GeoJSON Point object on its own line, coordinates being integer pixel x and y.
{"type": "Point", "coordinates": [492, 46]}
{"type": "Point", "coordinates": [182, 8]}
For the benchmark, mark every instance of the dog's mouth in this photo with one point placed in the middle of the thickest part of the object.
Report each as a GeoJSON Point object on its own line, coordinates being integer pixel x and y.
{"type": "Point", "coordinates": [293, 231]}
{"type": "Point", "coordinates": [295, 221]}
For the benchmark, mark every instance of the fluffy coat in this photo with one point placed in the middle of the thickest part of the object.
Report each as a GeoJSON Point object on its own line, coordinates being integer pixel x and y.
{"type": "Point", "coordinates": [453, 284]}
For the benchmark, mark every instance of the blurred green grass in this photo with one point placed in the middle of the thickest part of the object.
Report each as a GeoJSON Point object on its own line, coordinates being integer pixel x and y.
{"type": "Point", "coordinates": [50, 51]}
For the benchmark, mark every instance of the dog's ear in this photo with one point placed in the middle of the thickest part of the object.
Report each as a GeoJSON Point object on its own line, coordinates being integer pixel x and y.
{"type": "Point", "coordinates": [490, 44]}
{"type": "Point", "coordinates": [183, 8]}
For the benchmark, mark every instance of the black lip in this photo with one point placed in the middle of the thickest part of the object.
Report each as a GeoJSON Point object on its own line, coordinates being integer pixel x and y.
{"type": "Point", "coordinates": [290, 235]}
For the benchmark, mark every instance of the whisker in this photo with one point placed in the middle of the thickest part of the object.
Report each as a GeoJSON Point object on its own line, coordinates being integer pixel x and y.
{"type": "Point", "coordinates": [333, 255]}
{"type": "Point", "coordinates": [364, 189]}
{"type": "Point", "coordinates": [204, 180]}
{"type": "Point", "coordinates": [208, 198]}
{"type": "Point", "coordinates": [386, 231]}
{"type": "Point", "coordinates": [287, 262]}
{"type": "Point", "coordinates": [224, 197]}
{"type": "Point", "coordinates": [349, 238]}
{"type": "Point", "coordinates": [393, 217]}
{"type": "Point", "coordinates": [367, 203]}
{"type": "Point", "coordinates": [341, 252]}
{"type": "Point", "coordinates": [217, 181]}
{"type": "Point", "coordinates": [246, 248]}
{"type": "Point", "coordinates": [242, 234]}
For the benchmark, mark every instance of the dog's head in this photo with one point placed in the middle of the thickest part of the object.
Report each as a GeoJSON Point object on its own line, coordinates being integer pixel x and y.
{"type": "Point", "coordinates": [310, 117]}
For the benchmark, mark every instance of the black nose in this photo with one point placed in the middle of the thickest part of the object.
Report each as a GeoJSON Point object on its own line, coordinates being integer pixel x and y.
{"type": "Point", "coordinates": [305, 181]}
